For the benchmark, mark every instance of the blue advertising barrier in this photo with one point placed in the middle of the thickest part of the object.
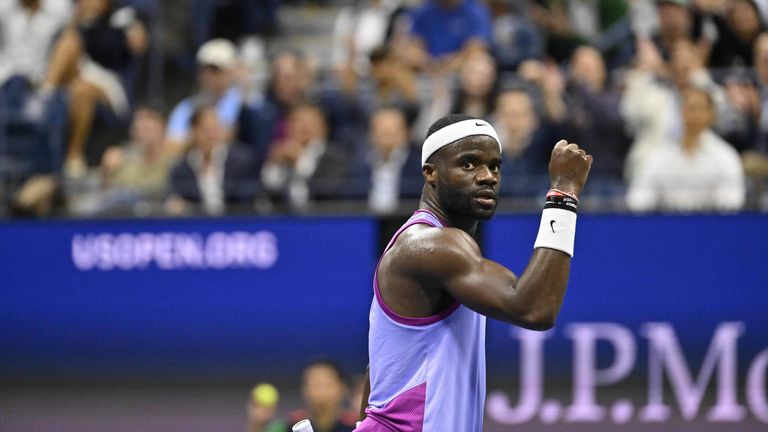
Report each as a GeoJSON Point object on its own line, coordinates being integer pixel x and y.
{"type": "Point", "coordinates": [665, 317]}
{"type": "Point", "coordinates": [183, 296]}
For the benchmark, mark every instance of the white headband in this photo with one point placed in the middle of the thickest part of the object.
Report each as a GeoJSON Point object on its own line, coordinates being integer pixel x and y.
{"type": "Point", "coordinates": [455, 132]}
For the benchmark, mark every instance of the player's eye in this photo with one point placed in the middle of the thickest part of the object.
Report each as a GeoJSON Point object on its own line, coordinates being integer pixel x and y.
{"type": "Point", "coordinates": [468, 165]}
{"type": "Point", "coordinates": [494, 168]}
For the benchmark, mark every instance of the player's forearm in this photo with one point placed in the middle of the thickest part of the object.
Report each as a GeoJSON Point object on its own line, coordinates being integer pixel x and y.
{"type": "Point", "coordinates": [538, 293]}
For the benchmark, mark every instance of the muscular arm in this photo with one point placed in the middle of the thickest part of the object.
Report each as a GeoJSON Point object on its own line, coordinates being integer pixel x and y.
{"type": "Point", "coordinates": [453, 261]}
{"type": "Point", "coordinates": [532, 301]}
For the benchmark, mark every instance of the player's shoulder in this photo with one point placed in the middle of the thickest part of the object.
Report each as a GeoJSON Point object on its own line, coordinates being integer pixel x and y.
{"type": "Point", "coordinates": [423, 247]}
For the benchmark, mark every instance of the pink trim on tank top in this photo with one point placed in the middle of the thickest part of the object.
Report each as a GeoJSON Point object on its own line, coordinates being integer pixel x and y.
{"type": "Point", "coordinates": [412, 321]}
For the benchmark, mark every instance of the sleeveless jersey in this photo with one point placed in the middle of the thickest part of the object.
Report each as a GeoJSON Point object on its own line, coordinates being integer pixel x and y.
{"type": "Point", "coordinates": [426, 374]}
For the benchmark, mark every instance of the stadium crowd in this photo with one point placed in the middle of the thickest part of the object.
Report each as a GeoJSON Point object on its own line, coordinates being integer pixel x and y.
{"type": "Point", "coordinates": [670, 96]}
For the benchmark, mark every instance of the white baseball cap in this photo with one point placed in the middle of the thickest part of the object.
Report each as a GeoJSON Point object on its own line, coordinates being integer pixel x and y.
{"type": "Point", "coordinates": [220, 53]}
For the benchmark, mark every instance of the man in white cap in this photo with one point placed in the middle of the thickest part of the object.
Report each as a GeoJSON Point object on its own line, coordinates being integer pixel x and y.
{"type": "Point", "coordinates": [216, 61]}
{"type": "Point", "coordinates": [433, 288]}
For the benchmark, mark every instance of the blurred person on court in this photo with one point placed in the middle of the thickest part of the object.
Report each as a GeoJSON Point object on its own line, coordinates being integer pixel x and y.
{"type": "Point", "coordinates": [262, 409]}
{"type": "Point", "coordinates": [700, 172]}
{"type": "Point", "coordinates": [324, 392]}
{"type": "Point", "coordinates": [304, 165]}
{"type": "Point", "coordinates": [433, 288]}
{"type": "Point", "coordinates": [216, 63]}
{"type": "Point", "coordinates": [215, 174]}
{"type": "Point", "coordinates": [134, 175]}
{"type": "Point", "coordinates": [91, 59]}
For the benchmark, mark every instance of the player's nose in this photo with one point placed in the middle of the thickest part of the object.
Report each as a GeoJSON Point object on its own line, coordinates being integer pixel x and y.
{"type": "Point", "coordinates": [486, 177]}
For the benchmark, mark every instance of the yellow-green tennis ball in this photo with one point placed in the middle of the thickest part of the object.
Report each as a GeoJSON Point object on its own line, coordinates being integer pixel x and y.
{"type": "Point", "coordinates": [265, 394]}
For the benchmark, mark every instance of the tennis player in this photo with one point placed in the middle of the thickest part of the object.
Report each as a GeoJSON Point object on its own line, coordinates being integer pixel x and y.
{"type": "Point", "coordinates": [433, 288]}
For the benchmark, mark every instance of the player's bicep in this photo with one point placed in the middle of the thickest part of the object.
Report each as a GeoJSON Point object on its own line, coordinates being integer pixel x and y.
{"type": "Point", "coordinates": [485, 287]}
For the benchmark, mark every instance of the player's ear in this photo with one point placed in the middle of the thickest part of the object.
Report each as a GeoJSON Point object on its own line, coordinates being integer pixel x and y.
{"type": "Point", "coordinates": [430, 172]}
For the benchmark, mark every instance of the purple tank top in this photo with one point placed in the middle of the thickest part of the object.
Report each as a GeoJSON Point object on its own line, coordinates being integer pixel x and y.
{"type": "Point", "coordinates": [427, 374]}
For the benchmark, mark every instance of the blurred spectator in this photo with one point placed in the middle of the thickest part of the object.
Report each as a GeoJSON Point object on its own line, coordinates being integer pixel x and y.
{"type": "Point", "coordinates": [216, 61]}
{"type": "Point", "coordinates": [569, 24]}
{"type": "Point", "coordinates": [516, 36]}
{"type": "Point", "coordinates": [262, 409]}
{"type": "Point", "coordinates": [548, 81]}
{"type": "Point", "coordinates": [91, 59]}
{"type": "Point", "coordinates": [477, 86]}
{"type": "Point", "coordinates": [303, 165]}
{"type": "Point", "coordinates": [134, 177]}
{"type": "Point", "coordinates": [214, 173]}
{"type": "Point", "coordinates": [650, 104]}
{"type": "Point", "coordinates": [738, 25]}
{"type": "Point", "coordinates": [393, 84]}
{"type": "Point", "coordinates": [528, 140]}
{"type": "Point", "coordinates": [444, 32]}
{"type": "Point", "coordinates": [676, 21]}
{"type": "Point", "coordinates": [595, 119]}
{"type": "Point", "coordinates": [701, 172]}
{"type": "Point", "coordinates": [324, 390]}
{"type": "Point", "coordinates": [359, 29]}
{"type": "Point", "coordinates": [393, 165]}
{"type": "Point", "coordinates": [27, 30]}
{"type": "Point", "coordinates": [263, 122]}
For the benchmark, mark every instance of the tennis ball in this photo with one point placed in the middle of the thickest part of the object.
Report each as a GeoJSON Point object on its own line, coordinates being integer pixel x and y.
{"type": "Point", "coordinates": [265, 394]}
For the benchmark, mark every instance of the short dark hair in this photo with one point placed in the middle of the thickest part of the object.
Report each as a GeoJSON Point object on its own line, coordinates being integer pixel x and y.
{"type": "Point", "coordinates": [327, 363]}
{"type": "Point", "coordinates": [447, 121]}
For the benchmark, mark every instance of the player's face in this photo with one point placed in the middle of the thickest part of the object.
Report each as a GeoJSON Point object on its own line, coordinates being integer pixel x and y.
{"type": "Point", "coordinates": [468, 177]}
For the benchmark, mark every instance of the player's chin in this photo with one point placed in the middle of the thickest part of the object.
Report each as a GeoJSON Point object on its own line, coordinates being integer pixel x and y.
{"type": "Point", "coordinates": [484, 212]}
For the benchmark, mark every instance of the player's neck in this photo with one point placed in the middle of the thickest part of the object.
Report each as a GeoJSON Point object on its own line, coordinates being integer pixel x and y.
{"type": "Point", "coordinates": [468, 225]}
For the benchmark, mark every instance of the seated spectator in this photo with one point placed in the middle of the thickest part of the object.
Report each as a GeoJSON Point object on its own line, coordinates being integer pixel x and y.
{"type": "Point", "coordinates": [134, 177]}
{"type": "Point", "coordinates": [324, 390]}
{"type": "Point", "coordinates": [262, 410]}
{"type": "Point", "coordinates": [27, 31]}
{"type": "Point", "coordinates": [477, 86]}
{"type": "Point", "coordinates": [214, 174]}
{"type": "Point", "coordinates": [701, 172]}
{"type": "Point", "coordinates": [392, 84]}
{"type": "Point", "coordinates": [595, 120]}
{"type": "Point", "coordinates": [444, 32]}
{"type": "Point", "coordinates": [473, 94]}
{"type": "Point", "coordinates": [89, 59]}
{"type": "Point", "coordinates": [527, 141]}
{"type": "Point", "coordinates": [263, 121]}
{"type": "Point", "coordinates": [304, 165]}
{"type": "Point", "coordinates": [393, 165]}
{"type": "Point", "coordinates": [216, 61]}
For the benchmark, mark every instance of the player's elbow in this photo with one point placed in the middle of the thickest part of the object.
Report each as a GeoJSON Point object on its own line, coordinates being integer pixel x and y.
{"type": "Point", "coordinates": [539, 321]}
